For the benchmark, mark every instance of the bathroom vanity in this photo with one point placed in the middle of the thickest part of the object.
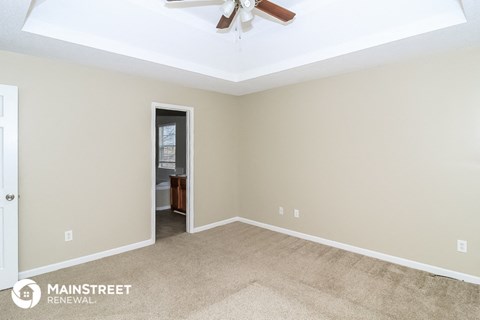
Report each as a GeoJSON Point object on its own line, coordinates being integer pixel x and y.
{"type": "Point", "coordinates": [178, 193]}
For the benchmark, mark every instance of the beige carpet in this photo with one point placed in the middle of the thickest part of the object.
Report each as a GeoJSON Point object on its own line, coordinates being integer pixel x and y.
{"type": "Point", "coordinates": [242, 272]}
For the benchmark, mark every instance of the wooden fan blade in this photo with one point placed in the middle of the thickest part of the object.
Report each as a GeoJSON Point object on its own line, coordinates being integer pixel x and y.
{"type": "Point", "coordinates": [276, 11]}
{"type": "Point", "coordinates": [225, 22]}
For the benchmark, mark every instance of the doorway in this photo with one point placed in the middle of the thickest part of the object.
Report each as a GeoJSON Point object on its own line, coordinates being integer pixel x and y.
{"type": "Point", "coordinates": [172, 170]}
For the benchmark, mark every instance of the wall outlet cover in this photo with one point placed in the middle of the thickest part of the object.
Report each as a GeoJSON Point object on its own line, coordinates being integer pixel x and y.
{"type": "Point", "coordinates": [69, 235]}
{"type": "Point", "coordinates": [462, 246]}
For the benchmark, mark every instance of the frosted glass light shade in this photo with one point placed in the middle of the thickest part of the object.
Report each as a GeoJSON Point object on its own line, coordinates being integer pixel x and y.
{"type": "Point", "coordinates": [228, 7]}
{"type": "Point", "coordinates": [248, 4]}
{"type": "Point", "coordinates": [246, 15]}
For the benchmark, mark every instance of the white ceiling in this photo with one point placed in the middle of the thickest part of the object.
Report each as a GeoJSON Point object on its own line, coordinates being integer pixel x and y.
{"type": "Point", "coordinates": [179, 43]}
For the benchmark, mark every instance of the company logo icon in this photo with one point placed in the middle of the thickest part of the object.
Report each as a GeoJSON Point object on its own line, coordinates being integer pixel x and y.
{"type": "Point", "coordinates": [26, 293]}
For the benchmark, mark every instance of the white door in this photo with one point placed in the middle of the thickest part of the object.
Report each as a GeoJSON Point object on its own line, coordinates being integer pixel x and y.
{"type": "Point", "coordinates": [8, 186]}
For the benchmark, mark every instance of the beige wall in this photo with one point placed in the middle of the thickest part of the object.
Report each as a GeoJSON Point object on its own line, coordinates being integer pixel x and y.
{"type": "Point", "coordinates": [85, 156]}
{"type": "Point", "coordinates": [386, 159]}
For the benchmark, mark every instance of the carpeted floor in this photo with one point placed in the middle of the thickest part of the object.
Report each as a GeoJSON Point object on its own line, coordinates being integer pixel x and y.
{"type": "Point", "coordinates": [239, 271]}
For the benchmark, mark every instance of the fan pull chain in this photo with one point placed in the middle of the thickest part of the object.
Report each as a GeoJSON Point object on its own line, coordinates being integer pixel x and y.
{"type": "Point", "coordinates": [238, 35]}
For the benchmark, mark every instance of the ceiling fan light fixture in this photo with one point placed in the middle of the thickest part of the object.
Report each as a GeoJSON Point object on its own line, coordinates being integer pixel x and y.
{"type": "Point", "coordinates": [246, 15]}
{"type": "Point", "coordinates": [228, 7]}
{"type": "Point", "coordinates": [247, 5]}
{"type": "Point", "coordinates": [244, 8]}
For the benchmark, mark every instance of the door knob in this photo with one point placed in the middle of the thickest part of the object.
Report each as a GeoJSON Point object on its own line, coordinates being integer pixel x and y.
{"type": "Point", "coordinates": [10, 197]}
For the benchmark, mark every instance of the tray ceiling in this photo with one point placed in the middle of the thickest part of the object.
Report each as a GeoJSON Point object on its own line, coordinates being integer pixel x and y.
{"type": "Point", "coordinates": [181, 37]}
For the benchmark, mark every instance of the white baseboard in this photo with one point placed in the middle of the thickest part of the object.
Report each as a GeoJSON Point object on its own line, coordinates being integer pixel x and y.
{"type": "Point", "coordinates": [369, 253]}
{"type": "Point", "coordinates": [77, 261]}
{"type": "Point", "coordinates": [216, 224]}
{"type": "Point", "coordinates": [162, 208]}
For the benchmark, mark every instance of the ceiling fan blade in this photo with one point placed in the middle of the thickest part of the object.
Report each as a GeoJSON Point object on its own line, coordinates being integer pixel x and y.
{"type": "Point", "coordinates": [225, 22]}
{"type": "Point", "coordinates": [276, 11]}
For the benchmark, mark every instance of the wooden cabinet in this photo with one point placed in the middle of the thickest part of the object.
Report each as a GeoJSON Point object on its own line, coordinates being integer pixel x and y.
{"type": "Point", "coordinates": [178, 193]}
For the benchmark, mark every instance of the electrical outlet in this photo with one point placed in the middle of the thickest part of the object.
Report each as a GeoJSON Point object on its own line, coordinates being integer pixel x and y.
{"type": "Point", "coordinates": [69, 235]}
{"type": "Point", "coordinates": [280, 211]}
{"type": "Point", "coordinates": [296, 213]}
{"type": "Point", "coordinates": [462, 246]}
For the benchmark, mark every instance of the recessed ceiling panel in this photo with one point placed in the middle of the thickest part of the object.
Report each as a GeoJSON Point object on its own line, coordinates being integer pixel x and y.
{"type": "Point", "coordinates": [183, 35]}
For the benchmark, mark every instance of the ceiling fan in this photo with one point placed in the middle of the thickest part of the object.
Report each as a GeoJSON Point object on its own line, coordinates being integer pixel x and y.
{"type": "Point", "coordinates": [231, 7]}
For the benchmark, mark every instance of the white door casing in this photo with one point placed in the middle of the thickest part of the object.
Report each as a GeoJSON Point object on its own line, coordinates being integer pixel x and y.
{"type": "Point", "coordinates": [8, 186]}
{"type": "Point", "coordinates": [190, 163]}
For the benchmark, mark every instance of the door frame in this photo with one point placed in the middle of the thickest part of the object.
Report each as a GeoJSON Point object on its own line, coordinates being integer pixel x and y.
{"type": "Point", "coordinates": [190, 163]}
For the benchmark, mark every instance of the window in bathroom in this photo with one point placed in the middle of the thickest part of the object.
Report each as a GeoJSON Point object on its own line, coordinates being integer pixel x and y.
{"type": "Point", "coordinates": [166, 146]}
